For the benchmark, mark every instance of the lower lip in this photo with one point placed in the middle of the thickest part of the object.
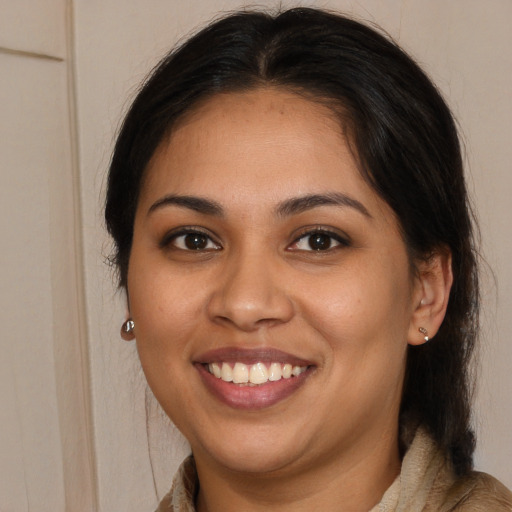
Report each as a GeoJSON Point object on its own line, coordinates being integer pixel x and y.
{"type": "Point", "coordinates": [251, 397]}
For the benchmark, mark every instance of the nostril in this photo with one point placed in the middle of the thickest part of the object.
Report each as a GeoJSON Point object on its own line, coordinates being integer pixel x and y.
{"type": "Point", "coordinates": [247, 322]}
{"type": "Point", "coordinates": [251, 315]}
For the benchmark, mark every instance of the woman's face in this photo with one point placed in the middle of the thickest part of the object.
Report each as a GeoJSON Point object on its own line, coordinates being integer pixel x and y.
{"type": "Point", "coordinates": [258, 249]}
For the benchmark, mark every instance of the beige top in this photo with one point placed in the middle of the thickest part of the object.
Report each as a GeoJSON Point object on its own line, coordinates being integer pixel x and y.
{"type": "Point", "coordinates": [426, 484]}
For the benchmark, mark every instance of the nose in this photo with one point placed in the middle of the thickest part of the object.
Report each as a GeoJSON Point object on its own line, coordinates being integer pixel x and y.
{"type": "Point", "coordinates": [251, 294]}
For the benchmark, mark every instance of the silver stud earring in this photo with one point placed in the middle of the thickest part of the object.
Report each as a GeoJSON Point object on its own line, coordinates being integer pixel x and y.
{"type": "Point", "coordinates": [424, 332]}
{"type": "Point", "coordinates": [127, 330]}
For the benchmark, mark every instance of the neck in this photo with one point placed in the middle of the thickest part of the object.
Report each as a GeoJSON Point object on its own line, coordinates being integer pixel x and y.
{"type": "Point", "coordinates": [354, 481]}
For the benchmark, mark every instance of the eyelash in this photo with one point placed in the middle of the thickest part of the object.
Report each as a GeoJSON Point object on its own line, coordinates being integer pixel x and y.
{"type": "Point", "coordinates": [172, 237]}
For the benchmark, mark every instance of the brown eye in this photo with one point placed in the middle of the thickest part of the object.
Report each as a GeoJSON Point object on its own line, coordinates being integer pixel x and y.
{"type": "Point", "coordinates": [190, 241]}
{"type": "Point", "coordinates": [320, 242]}
{"type": "Point", "coordinates": [195, 241]}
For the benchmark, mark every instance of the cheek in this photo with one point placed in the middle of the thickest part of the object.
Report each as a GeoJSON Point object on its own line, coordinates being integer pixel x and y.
{"type": "Point", "coordinates": [157, 295]}
{"type": "Point", "coordinates": [165, 309]}
{"type": "Point", "coordinates": [165, 317]}
{"type": "Point", "coordinates": [368, 306]}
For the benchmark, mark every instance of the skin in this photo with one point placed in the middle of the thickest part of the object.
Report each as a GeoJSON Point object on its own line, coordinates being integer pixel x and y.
{"type": "Point", "coordinates": [349, 309]}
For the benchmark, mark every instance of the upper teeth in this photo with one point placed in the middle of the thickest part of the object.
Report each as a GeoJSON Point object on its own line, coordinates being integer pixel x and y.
{"type": "Point", "coordinates": [257, 373]}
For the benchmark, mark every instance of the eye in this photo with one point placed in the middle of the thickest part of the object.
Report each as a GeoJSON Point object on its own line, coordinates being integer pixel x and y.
{"type": "Point", "coordinates": [318, 241]}
{"type": "Point", "coordinates": [190, 240]}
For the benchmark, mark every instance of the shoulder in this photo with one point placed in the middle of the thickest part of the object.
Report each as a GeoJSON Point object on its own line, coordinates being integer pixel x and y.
{"type": "Point", "coordinates": [476, 492]}
{"type": "Point", "coordinates": [484, 492]}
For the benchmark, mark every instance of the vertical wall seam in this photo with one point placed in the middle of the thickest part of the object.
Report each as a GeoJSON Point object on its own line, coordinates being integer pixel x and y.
{"type": "Point", "coordinates": [79, 248]}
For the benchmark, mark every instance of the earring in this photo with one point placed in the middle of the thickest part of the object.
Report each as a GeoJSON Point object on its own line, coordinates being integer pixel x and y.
{"type": "Point", "coordinates": [127, 330]}
{"type": "Point", "coordinates": [424, 332]}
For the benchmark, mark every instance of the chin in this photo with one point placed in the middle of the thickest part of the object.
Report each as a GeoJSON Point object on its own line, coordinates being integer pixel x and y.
{"type": "Point", "coordinates": [254, 452]}
{"type": "Point", "coordinates": [254, 462]}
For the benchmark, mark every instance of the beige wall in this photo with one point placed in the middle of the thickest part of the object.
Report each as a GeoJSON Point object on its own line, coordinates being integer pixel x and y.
{"type": "Point", "coordinates": [46, 458]}
{"type": "Point", "coordinates": [73, 401]}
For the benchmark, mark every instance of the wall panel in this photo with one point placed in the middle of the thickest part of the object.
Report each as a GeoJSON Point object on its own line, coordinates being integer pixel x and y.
{"type": "Point", "coordinates": [30, 92]}
{"type": "Point", "coordinates": [34, 26]}
{"type": "Point", "coordinates": [46, 452]}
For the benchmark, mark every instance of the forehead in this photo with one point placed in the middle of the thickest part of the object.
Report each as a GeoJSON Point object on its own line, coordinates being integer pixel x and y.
{"type": "Point", "coordinates": [257, 147]}
{"type": "Point", "coordinates": [275, 103]}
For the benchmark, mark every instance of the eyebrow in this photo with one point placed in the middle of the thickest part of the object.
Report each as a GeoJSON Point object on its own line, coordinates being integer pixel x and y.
{"type": "Point", "coordinates": [301, 204]}
{"type": "Point", "coordinates": [287, 208]}
{"type": "Point", "coordinates": [198, 204]}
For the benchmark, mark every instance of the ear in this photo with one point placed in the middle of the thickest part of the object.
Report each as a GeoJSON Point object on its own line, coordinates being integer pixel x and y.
{"type": "Point", "coordinates": [433, 282]}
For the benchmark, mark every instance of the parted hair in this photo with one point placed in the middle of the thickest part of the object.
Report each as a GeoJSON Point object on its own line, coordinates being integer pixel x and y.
{"type": "Point", "coordinates": [403, 136]}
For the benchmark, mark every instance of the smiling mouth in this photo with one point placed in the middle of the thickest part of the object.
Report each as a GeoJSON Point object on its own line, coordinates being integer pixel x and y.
{"type": "Point", "coordinates": [254, 374]}
{"type": "Point", "coordinates": [252, 379]}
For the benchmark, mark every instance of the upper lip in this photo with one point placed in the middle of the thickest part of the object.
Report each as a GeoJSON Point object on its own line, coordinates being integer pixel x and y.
{"type": "Point", "coordinates": [250, 356]}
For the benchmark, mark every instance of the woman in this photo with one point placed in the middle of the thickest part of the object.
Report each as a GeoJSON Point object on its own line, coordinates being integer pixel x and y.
{"type": "Point", "coordinates": [292, 229]}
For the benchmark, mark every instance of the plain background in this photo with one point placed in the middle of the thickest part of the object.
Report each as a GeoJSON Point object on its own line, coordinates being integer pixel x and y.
{"type": "Point", "coordinates": [79, 431]}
